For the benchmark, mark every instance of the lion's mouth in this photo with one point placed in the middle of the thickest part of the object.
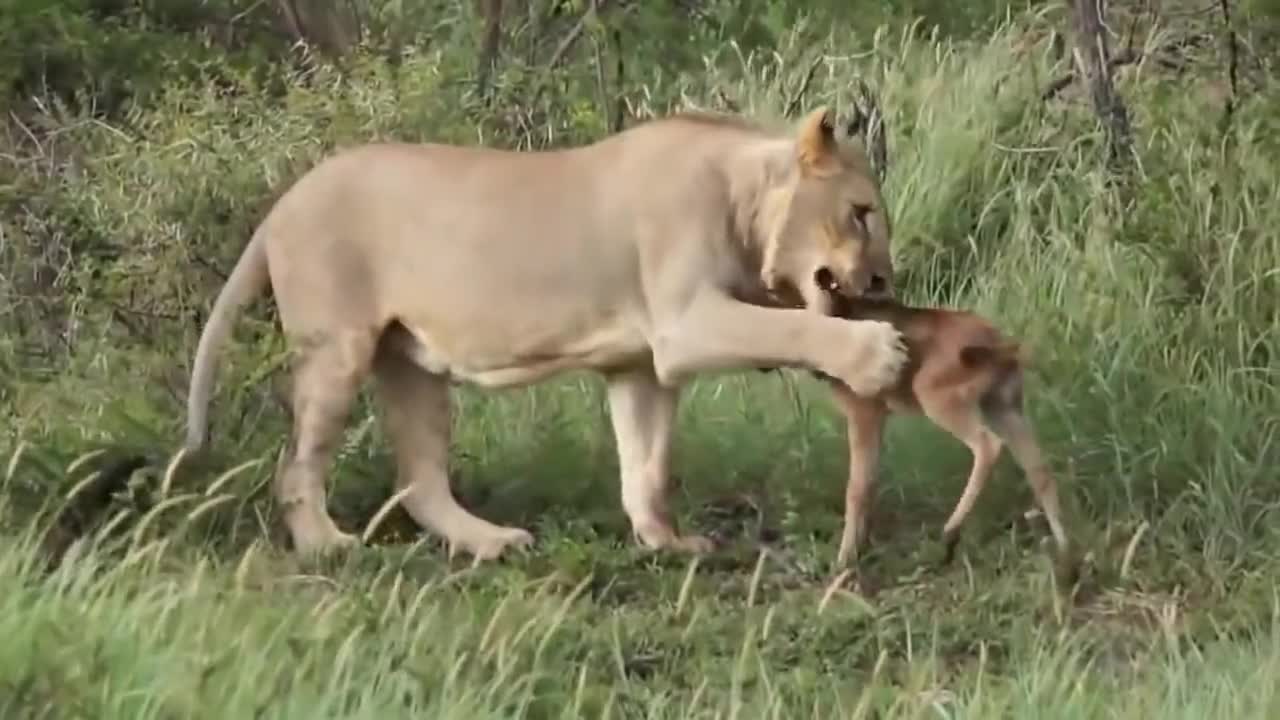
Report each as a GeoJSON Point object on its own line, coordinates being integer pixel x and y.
{"type": "Point", "coordinates": [877, 287]}
{"type": "Point", "coordinates": [786, 294]}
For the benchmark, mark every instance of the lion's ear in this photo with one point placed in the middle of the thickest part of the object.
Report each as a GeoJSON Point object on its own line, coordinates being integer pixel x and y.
{"type": "Point", "coordinates": [816, 139]}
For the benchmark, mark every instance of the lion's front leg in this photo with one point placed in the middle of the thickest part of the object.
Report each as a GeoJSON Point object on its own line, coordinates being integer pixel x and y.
{"type": "Point", "coordinates": [714, 332]}
{"type": "Point", "coordinates": [643, 413]}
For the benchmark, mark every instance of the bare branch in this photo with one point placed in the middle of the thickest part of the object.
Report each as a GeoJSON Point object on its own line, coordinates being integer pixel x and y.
{"type": "Point", "coordinates": [357, 21]}
{"type": "Point", "coordinates": [793, 104]}
{"type": "Point", "coordinates": [1233, 65]}
{"type": "Point", "coordinates": [576, 32]}
{"type": "Point", "coordinates": [330, 27]}
{"type": "Point", "coordinates": [1120, 59]}
{"type": "Point", "coordinates": [595, 7]}
{"type": "Point", "coordinates": [868, 123]}
{"type": "Point", "coordinates": [727, 102]}
{"type": "Point", "coordinates": [492, 10]}
{"type": "Point", "coordinates": [602, 87]}
{"type": "Point", "coordinates": [620, 80]}
{"type": "Point", "coordinates": [245, 13]}
{"type": "Point", "coordinates": [291, 18]}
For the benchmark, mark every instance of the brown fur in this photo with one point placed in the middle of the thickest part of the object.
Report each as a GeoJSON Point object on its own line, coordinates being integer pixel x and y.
{"type": "Point", "coordinates": [968, 379]}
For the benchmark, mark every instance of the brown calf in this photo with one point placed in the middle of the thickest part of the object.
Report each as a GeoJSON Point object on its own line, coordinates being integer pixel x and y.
{"type": "Point", "coordinates": [966, 378]}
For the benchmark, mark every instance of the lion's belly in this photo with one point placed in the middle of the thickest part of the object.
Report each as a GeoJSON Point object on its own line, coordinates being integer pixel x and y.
{"type": "Point", "coordinates": [495, 308]}
{"type": "Point", "coordinates": [519, 362]}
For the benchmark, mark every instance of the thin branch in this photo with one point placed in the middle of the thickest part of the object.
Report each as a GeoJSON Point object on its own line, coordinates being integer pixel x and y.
{"type": "Point", "coordinates": [324, 25]}
{"type": "Point", "coordinates": [868, 123]}
{"type": "Point", "coordinates": [793, 104]}
{"type": "Point", "coordinates": [602, 87]}
{"type": "Point", "coordinates": [27, 131]}
{"type": "Point", "coordinates": [727, 102]}
{"type": "Point", "coordinates": [574, 33]}
{"type": "Point", "coordinates": [245, 13]}
{"type": "Point", "coordinates": [620, 79]}
{"type": "Point", "coordinates": [490, 46]}
{"type": "Point", "coordinates": [1120, 59]}
{"type": "Point", "coordinates": [595, 7]}
{"type": "Point", "coordinates": [1131, 34]}
{"type": "Point", "coordinates": [212, 267]}
{"type": "Point", "coordinates": [357, 21]}
{"type": "Point", "coordinates": [292, 19]}
{"type": "Point", "coordinates": [1233, 66]}
{"type": "Point", "coordinates": [535, 22]}
{"type": "Point", "coordinates": [1164, 57]}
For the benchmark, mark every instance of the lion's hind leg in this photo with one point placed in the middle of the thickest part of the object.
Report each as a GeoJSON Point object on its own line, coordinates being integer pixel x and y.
{"type": "Point", "coordinates": [326, 378]}
{"type": "Point", "coordinates": [418, 423]}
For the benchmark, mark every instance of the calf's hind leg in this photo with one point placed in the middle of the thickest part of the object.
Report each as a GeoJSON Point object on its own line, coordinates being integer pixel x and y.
{"type": "Point", "coordinates": [963, 421]}
{"type": "Point", "coordinates": [417, 416]}
{"type": "Point", "coordinates": [1013, 426]}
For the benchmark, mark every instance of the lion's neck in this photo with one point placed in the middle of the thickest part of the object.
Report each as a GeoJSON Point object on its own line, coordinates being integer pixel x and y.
{"type": "Point", "coordinates": [758, 193]}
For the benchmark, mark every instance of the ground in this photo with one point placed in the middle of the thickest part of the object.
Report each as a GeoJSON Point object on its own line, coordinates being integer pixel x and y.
{"type": "Point", "coordinates": [158, 622]}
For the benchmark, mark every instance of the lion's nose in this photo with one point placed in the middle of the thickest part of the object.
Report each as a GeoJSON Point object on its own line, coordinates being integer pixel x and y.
{"type": "Point", "coordinates": [878, 286]}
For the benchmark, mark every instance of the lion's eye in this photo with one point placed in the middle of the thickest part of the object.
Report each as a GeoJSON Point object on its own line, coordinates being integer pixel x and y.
{"type": "Point", "coordinates": [858, 213]}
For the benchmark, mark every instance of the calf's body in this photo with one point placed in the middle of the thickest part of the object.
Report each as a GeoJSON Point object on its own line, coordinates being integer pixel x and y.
{"type": "Point", "coordinates": [967, 378]}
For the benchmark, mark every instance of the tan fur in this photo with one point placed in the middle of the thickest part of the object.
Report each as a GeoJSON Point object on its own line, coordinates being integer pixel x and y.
{"type": "Point", "coordinates": [650, 256]}
{"type": "Point", "coordinates": [966, 378]}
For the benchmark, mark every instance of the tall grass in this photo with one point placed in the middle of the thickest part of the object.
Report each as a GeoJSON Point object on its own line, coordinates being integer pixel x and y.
{"type": "Point", "coordinates": [1151, 307]}
{"type": "Point", "coordinates": [157, 632]}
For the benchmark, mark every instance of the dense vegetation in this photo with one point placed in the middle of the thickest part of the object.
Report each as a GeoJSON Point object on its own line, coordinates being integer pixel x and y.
{"type": "Point", "coordinates": [142, 141]}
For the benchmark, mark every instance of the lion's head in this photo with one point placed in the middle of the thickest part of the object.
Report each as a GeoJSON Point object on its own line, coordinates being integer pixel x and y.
{"type": "Point", "coordinates": [825, 224]}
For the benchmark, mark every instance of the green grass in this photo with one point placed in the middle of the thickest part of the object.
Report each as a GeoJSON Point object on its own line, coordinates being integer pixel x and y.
{"type": "Point", "coordinates": [153, 622]}
{"type": "Point", "coordinates": [1150, 308]}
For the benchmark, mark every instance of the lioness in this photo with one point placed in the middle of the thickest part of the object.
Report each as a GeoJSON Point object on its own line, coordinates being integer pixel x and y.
{"type": "Point", "coordinates": [967, 378]}
{"type": "Point", "coordinates": [648, 256]}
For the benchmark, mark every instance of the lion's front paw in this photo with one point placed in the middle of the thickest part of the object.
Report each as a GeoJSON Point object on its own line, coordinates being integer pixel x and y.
{"type": "Point", "coordinates": [318, 536]}
{"type": "Point", "coordinates": [661, 535]}
{"type": "Point", "coordinates": [491, 543]}
{"type": "Point", "coordinates": [877, 359]}
{"type": "Point", "coordinates": [694, 544]}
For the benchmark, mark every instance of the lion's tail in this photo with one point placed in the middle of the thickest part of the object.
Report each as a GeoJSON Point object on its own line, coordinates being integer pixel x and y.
{"type": "Point", "coordinates": [248, 278]}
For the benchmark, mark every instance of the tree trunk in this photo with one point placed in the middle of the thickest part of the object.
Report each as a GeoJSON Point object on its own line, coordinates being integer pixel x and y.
{"type": "Point", "coordinates": [332, 27]}
{"type": "Point", "coordinates": [1093, 61]}
{"type": "Point", "coordinates": [489, 46]}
